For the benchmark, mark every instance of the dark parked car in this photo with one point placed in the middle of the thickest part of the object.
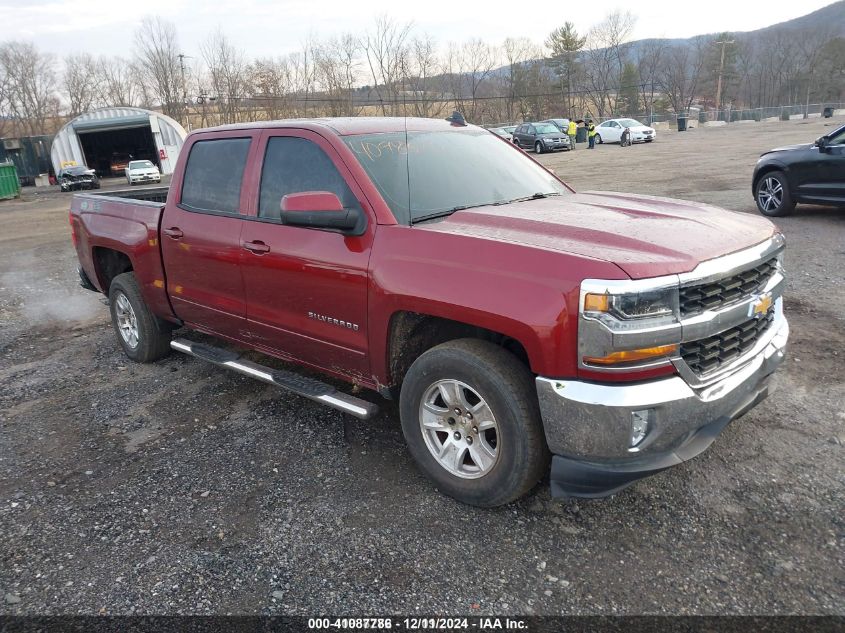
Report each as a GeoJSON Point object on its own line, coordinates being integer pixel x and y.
{"type": "Point", "coordinates": [541, 137]}
{"type": "Point", "coordinates": [561, 124]}
{"type": "Point", "coordinates": [813, 173]}
{"type": "Point", "coordinates": [78, 177]}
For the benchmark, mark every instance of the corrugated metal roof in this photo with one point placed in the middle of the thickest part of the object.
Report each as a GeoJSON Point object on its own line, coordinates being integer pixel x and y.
{"type": "Point", "coordinates": [167, 133]}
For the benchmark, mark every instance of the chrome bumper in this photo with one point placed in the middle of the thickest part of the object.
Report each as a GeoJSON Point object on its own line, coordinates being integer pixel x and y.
{"type": "Point", "coordinates": [588, 422]}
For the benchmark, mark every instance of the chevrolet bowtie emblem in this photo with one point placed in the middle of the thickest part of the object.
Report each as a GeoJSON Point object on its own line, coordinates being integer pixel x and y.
{"type": "Point", "coordinates": [760, 307]}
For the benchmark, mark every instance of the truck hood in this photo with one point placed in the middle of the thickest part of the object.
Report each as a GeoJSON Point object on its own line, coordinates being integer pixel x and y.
{"type": "Point", "coordinates": [645, 236]}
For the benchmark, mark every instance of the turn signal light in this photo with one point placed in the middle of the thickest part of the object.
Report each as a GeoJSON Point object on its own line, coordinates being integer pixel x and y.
{"type": "Point", "coordinates": [596, 303]}
{"type": "Point", "coordinates": [632, 355]}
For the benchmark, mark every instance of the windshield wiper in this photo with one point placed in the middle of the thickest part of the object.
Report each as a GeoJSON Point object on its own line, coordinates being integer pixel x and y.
{"type": "Point", "coordinates": [443, 214]}
{"type": "Point", "coordinates": [533, 196]}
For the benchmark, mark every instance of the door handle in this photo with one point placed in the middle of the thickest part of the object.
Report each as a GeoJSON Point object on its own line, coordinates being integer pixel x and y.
{"type": "Point", "coordinates": [257, 246]}
{"type": "Point", "coordinates": [175, 232]}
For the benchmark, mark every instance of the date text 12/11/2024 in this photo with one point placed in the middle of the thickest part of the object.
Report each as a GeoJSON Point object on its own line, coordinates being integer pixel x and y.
{"type": "Point", "coordinates": [419, 624]}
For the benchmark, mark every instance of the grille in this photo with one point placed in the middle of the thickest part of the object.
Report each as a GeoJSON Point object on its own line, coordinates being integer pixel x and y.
{"type": "Point", "coordinates": [716, 294]}
{"type": "Point", "coordinates": [709, 354]}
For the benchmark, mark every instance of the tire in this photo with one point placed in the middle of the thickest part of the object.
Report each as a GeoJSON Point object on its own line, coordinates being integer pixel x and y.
{"type": "Point", "coordinates": [513, 445]}
{"type": "Point", "coordinates": [538, 147]}
{"type": "Point", "coordinates": [130, 315]}
{"type": "Point", "coordinates": [772, 195]}
{"type": "Point", "coordinates": [598, 139]}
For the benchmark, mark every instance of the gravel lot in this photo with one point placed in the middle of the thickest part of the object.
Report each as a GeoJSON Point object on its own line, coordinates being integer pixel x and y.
{"type": "Point", "coordinates": [178, 488]}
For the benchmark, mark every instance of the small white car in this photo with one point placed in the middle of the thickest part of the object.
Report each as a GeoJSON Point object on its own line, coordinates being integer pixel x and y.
{"type": "Point", "coordinates": [142, 171]}
{"type": "Point", "coordinates": [610, 131]}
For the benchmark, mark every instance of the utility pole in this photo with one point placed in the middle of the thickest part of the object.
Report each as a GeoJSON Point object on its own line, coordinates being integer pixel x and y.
{"type": "Point", "coordinates": [723, 43]}
{"type": "Point", "coordinates": [182, 58]}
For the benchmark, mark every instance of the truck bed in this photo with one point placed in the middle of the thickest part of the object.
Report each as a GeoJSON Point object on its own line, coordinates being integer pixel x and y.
{"type": "Point", "coordinates": [117, 231]}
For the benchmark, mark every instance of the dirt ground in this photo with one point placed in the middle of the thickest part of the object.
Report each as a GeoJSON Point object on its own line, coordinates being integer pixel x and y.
{"type": "Point", "coordinates": [178, 488]}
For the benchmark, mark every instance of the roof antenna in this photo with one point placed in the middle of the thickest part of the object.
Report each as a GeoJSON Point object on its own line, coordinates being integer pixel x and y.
{"type": "Point", "coordinates": [457, 119]}
{"type": "Point", "coordinates": [407, 149]}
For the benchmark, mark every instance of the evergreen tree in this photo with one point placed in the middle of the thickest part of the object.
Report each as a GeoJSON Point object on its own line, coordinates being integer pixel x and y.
{"type": "Point", "coordinates": [628, 97]}
{"type": "Point", "coordinates": [564, 44]}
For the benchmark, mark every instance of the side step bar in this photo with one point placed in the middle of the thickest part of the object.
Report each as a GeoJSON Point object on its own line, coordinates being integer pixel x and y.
{"type": "Point", "coordinates": [301, 385]}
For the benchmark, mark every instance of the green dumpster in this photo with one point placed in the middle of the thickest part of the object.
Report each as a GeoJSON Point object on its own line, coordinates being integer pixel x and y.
{"type": "Point", "coordinates": [10, 186]}
{"type": "Point", "coordinates": [581, 135]}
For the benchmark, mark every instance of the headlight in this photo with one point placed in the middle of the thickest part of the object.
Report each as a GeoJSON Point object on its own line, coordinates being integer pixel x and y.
{"type": "Point", "coordinates": [639, 305]}
{"type": "Point", "coordinates": [626, 325]}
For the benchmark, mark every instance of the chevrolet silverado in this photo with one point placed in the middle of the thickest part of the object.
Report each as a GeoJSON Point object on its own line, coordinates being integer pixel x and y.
{"type": "Point", "coordinates": [524, 329]}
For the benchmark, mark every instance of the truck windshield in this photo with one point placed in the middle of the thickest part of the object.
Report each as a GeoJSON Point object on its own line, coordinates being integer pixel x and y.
{"type": "Point", "coordinates": [436, 173]}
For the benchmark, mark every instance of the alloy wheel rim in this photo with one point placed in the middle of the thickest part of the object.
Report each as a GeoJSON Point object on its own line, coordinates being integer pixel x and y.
{"type": "Point", "coordinates": [127, 323]}
{"type": "Point", "coordinates": [459, 429]}
{"type": "Point", "coordinates": [770, 194]}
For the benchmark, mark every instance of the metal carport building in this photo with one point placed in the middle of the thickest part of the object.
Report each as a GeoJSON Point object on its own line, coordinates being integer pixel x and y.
{"type": "Point", "coordinates": [100, 137]}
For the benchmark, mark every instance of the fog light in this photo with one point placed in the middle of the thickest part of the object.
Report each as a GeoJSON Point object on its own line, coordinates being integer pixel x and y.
{"type": "Point", "coordinates": [639, 427]}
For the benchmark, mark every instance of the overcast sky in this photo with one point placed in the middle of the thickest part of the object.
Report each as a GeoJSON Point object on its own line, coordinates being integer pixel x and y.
{"type": "Point", "coordinates": [272, 27]}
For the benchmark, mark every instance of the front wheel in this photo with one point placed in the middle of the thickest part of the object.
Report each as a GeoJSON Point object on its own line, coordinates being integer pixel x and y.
{"type": "Point", "coordinates": [472, 423]}
{"type": "Point", "coordinates": [143, 337]}
{"type": "Point", "coordinates": [598, 139]}
{"type": "Point", "coordinates": [538, 147]}
{"type": "Point", "coordinates": [772, 195]}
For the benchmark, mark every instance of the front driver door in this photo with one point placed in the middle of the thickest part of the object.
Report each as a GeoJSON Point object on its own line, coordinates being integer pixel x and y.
{"type": "Point", "coordinates": [307, 291]}
{"type": "Point", "coordinates": [831, 167]}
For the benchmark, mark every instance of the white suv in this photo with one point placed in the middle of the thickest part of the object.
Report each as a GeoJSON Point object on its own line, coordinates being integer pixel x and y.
{"type": "Point", "coordinates": [142, 171]}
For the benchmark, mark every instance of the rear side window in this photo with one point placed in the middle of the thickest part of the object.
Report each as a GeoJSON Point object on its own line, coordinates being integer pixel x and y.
{"type": "Point", "coordinates": [296, 165]}
{"type": "Point", "coordinates": [214, 174]}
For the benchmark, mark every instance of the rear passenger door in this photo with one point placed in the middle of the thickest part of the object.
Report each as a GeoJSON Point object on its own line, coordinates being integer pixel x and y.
{"type": "Point", "coordinates": [306, 290]}
{"type": "Point", "coordinates": [200, 233]}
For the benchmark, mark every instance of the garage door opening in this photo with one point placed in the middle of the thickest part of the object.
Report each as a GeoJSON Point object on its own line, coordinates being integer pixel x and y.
{"type": "Point", "coordinates": [108, 151]}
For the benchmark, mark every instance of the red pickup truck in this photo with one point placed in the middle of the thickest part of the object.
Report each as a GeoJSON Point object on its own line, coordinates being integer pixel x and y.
{"type": "Point", "coordinates": [524, 328]}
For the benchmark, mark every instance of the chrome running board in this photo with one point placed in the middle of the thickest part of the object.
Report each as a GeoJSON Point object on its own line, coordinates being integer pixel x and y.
{"type": "Point", "coordinates": [304, 386]}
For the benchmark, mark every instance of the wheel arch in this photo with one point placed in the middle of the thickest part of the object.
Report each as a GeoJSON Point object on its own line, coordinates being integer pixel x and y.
{"type": "Point", "coordinates": [108, 264]}
{"type": "Point", "coordinates": [410, 334]}
{"type": "Point", "coordinates": [767, 169]}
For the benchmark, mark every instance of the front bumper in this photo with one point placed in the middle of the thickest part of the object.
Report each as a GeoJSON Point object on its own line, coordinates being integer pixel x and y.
{"type": "Point", "coordinates": [588, 425]}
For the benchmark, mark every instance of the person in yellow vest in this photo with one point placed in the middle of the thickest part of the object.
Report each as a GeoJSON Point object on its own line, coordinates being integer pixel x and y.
{"type": "Point", "coordinates": [591, 134]}
{"type": "Point", "coordinates": [572, 132]}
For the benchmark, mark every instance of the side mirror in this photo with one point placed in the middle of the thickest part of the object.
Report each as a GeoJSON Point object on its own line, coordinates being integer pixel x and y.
{"type": "Point", "coordinates": [321, 210]}
{"type": "Point", "coordinates": [821, 143]}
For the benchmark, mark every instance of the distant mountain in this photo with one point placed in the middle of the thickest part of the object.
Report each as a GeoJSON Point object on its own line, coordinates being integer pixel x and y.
{"type": "Point", "coordinates": [828, 21]}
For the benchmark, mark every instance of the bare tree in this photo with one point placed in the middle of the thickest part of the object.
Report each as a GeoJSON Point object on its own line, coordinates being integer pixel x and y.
{"type": "Point", "coordinates": [385, 49]}
{"type": "Point", "coordinates": [157, 49]}
{"type": "Point", "coordinates": [81, 82]}
{"type": "Point", "coordinates": [422, 77]}
{"type": "Point", "coordinates": [649, 58]}
{"type": "Point", "coordinates": [118, 82]}
{"type": "Point", "coordinates": [605, 57]}
{"type": "Point", "coordinates": [226, 68]}
{"type": "Point", "coordinates": [272, 85]}
{"type": "Point", "coordinates": [518, 54]}
{"type": "Point", "coordinates": [680, 73]}
{"type": "Point", "coordinates": [336, 70]}
{"type": "Point", "coordinates": [31, 85]}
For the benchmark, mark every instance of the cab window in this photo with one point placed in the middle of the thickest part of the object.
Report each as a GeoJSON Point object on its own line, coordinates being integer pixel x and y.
{"type": "Point", "coordinates": [296, 165]}
{"type": "Point", "coordinates": [213, 176]}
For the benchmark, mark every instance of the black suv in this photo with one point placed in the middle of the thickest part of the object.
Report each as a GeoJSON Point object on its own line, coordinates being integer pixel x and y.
{"type": "Point", "coordinates": [812, 173]}
{"type": "Point", "coordinates": [541, 137]}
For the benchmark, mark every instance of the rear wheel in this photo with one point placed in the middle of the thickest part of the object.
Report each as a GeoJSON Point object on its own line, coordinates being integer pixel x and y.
{"type": "Point", "coordinates": [143, 337]}
{"type": "Point", "coordinates": [472, 423]}
{"type": "Point", "coordinates": [772, 195]}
